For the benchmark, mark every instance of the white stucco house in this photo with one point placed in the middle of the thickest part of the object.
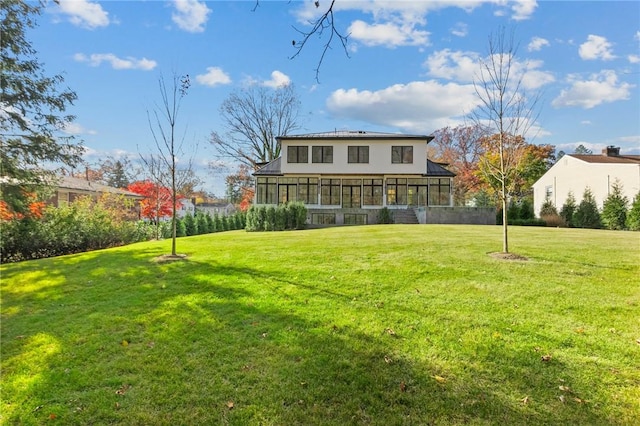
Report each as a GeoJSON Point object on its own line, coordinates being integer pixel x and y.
{"type": "Point", "coordinates": [573, 173]}
{"type": "Point", "coordinates": [346, 177]}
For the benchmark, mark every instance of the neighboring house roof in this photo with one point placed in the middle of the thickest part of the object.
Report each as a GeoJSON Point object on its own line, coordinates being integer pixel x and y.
{"type": "Point", "coordinates": [607, 159]}
{"type": "Point", "coordinates": [273, 169]}
{"type": "Point", "coordinates": [78, 184]}
{"type": "Point", "coordinates": [354, 134]}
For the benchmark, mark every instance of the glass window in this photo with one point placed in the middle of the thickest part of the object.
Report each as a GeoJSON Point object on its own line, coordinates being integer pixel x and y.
{"type": "Point", "coordinates": [372, 192]}
{"type": "Point", "coordinates": [402, 154]}
{"type": "Point", "coordinates": [323, 218]}
{"type": "Point", "coordinates": [297, 154]}
{"type": "Point", "coordinates": [397, 191]}
{"type": "Point", "coordinates": [355, 219]}
{"type": "Point", "coordinates": [358, 154]}
{"type": "Point", "coordinates": [287, 192]}
{"type": "Point", "coordinates": [308, 190]}
{"type": "Point", "coordinates": [322, 154]}
{"type": "Point", "coordinates": [267, 191]}
{"type": "Point", "coordinates": [330, 192]}
{"type": "Point", "coordinates": [351, 193]}
{"type": "Point", "coordinates": [439, 190]}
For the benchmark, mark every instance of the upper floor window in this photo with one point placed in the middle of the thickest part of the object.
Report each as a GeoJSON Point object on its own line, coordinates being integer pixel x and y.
{"type": "Point", "coordinates": [322, 154]}
{"type": "Point", "coordinates": [297, 154]}
{"type": "Point", "coordinates": [358, 154]}
{"type": "Point", "coordinates": [402, 154]}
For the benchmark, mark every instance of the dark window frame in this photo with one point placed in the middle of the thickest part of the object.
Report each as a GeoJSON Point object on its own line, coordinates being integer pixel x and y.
{"type": "Point", "coordinates": [297, 154]}
{"type": "Point", "coordinates": [358, 154]}
{"type": "Point", "coordinates": [322, 154]}
{"type": "Point", "coordinates": [402, 154]}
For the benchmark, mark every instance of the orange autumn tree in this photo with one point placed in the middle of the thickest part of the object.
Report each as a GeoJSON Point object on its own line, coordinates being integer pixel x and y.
{"type": "Point", "coordinates": [157, 203]}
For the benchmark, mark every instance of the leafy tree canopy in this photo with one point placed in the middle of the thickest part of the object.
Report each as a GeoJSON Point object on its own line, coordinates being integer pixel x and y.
{"type": "Point", "coordinates": [32, 111]}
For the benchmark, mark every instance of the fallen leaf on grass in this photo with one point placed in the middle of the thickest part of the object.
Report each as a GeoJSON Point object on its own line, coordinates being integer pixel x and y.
{"type": "Point", "coordinates": [230, 405]}
{"type": "Point", "coordinates": [125, 342]}
{"type": "Point", "coordinates": [52, 416]}
{"type": "Point", "coordinates": [638, 341]}
{"type": "Point", "coordinates": [546, 358]}
{"type": "Point", "coordinates": [439, 379]}
{"type": "Point", "coordinates": [561, 398]}
{"type": "Point", "coordinates": [387, 360]}
{"type": "Point", "coordinates": [564, 388]}
{"type": "Point", "coordinates": [403, 386]}
{"type": "Point", "coordinates": [525, 400]}
{"type": "Point", "coordinates": [123, 389]}
{"type": "Point", "coordinates": [390, 331]}
{"type": "Point", "coordinates": [578, 400]}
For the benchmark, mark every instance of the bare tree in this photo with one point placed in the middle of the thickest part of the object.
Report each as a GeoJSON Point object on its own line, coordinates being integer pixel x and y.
{"type": "Point", "coordinates": [163, 165]}
{"type": "Point", "coordinates": [508, 111]}
{"type": "Point", "coordinates": [254, 117]}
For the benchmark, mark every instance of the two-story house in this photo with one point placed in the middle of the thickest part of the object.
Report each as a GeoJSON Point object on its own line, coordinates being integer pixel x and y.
{"type": "Point", "coordinates": [346, 177]}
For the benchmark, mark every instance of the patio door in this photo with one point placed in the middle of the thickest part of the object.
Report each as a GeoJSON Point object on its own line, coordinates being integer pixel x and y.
{"type": "Point", "coordinates": [352, 193]}
{"type": "Point", "coordinates": [417, 195]}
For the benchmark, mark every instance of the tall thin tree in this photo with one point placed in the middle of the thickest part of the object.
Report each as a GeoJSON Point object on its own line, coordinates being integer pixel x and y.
{"type": "Point", "coordinates": [163, 124]}
{"type": "Point", "coordinates": [507, 110]}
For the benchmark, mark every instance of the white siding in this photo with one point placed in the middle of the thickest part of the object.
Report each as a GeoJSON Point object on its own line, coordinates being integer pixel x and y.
{"type": "Point", "coordinates": [570, 174]}
{"type": "Point", "coordinates": [379, 158]}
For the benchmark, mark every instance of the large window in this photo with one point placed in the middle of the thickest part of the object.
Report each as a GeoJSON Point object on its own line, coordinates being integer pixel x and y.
{"type": "Point", "coordinates": [372, 192]}
{"type": "Point", "coordinates": [330, 192]}
{"type": "Point", "coordinates": [439, 190]}
{"type": "Point", "coordinates": [396, 192]}
{"type": "Point", "coordinates": [308, 190]}
{"type": "Point", "coordinates": [323, 219]}
{"type": "Point", "coordinates": [358, 154]}
{"type": "Point", "coordinates": [355, 219]}
{"type": "Point", "coordinates": [402, 154]}
{"type": "Point", "coordinates": [287, 190]}
{"type": "Point", "coordinates": [351, 193]}
{"type": "Point", "coordinates": [267, 191]}
{"type": "Point", "coordinates": [322, 154]}
{"type": "Point", "coordinates": [297, 154]}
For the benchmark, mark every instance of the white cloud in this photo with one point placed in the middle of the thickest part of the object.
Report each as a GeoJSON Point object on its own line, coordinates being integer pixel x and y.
{"type": "Point", "coordinates": [76, 129]}
{"type": "Point", "coordinates": [603, 87]}
{"type": "Point", "coordinates": [460, 29]}
{"type": "Point", "coordinates": [596, 47]}
{"type": "Point", "coordinates": [278, 79]}
{"type": "Point", "coordinates": [637, 36]}
{"type": "Point", "coordinates": [537, 43]}
{"type": "Point", "coordinates": [214, 76]}
{"type": "Point", "coordinates": [84, 13]}
{"type": "Point", "coordinates": [128, 63]}
{"type": "Point", "coordinates": [418, 107]}
{"type": "Point", "coordinates": [634, 59]}
{"type": "Point", "coordinates": [523, 9]}
{"type": "Point", "coordinates": [586, 122]}
{"type": "Point", "coordinates": [465, 67]}
{"type": "Point", "coordinates": [387, 34]}
{"type": "Point", "coordinates": [453, 65]}
{"type": "Point", "coordinates": [190, 15]}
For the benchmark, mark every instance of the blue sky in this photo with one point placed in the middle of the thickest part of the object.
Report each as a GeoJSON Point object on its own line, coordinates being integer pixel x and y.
{"type": "Point", "coordinates": [410, 66]}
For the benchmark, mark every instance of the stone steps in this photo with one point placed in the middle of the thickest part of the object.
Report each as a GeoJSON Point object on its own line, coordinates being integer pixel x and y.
{"type": "Point", "coordinates": [405, 216]}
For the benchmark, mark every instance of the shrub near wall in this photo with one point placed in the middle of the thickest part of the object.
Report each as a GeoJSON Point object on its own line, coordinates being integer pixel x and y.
{"type": "Point", "coordinates": [269, 218]}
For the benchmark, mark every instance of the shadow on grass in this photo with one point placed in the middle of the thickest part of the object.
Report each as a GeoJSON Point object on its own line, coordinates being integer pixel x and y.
{"type": "Point", "coordinates": [119, 339]}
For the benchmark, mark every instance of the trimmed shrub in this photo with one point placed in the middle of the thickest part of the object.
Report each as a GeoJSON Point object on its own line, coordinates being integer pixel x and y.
{"type": "Point", "coordinates": [181, 228]}
{"type": "Point", "coordinates": [614, 208]}
{"type": "Point", "coordinates": [587, 215]}
{"type": "Point", "coordinates": [633, 217]}
{"type": "Point", "coordinates": [190, 224]}
{"type": "Point", "coordinates": [384, 216]}
{"type": "Point", "coordinates": [568, 209]}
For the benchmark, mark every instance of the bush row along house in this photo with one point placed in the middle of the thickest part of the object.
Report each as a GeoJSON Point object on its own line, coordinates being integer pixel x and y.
{"type": "Point", "coordinates": [346, 177]}
{"type": "Point", "coordinates": [598, 172]}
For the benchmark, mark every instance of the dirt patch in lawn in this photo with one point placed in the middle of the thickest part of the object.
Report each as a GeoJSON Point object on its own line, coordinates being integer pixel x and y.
{"type": "Point", "coordinates": [508, 256]}
{"type": "Point", "coordinates": [170, 258]}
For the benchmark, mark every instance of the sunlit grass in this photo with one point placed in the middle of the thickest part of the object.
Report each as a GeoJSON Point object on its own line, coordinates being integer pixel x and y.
{"type": "Point", "coordinates": [358, 325]}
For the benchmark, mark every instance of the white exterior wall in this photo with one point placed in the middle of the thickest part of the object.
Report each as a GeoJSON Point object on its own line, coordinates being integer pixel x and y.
{"type": "Point", "coordinates": [379, 158]}
{"type": "Point", "coordinates": [570, 174]}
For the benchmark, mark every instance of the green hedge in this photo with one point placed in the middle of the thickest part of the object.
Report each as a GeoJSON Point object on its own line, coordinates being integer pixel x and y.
{"type": "Point", "coordinates": [280, 218]}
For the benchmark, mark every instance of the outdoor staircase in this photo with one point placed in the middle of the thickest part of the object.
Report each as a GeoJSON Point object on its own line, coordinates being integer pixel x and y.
{"type": "Point", "coordinates": [406, 216]}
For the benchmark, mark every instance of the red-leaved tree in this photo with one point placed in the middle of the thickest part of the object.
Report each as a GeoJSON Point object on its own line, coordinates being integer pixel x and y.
{"type": "Point", "coordinates": [157, 200]}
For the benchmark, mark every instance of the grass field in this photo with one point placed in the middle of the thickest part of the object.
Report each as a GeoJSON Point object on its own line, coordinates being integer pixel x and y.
{"type": "Point", "coordinates": [383, 325]}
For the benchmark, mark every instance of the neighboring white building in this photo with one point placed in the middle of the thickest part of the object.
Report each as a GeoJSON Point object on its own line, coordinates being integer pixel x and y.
{"type": "Point", "coordinates": [186, 207]}
{"type": "Point", "coordinates": [346, 177]}
{"type": "Point", "coordinates": [573, 173]}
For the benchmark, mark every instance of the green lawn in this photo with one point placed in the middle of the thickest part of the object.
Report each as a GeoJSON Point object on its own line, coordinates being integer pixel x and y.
{"type": "Point", "coordinates": [384, 325]}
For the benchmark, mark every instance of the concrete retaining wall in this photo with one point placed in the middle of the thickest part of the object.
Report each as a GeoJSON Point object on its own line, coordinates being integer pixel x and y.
{"type": "Point", "coordinates": [461, 215]}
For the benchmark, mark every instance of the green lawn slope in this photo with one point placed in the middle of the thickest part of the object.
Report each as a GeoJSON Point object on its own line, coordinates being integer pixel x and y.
{"type": "Point", "coordinates": [381, 325]}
